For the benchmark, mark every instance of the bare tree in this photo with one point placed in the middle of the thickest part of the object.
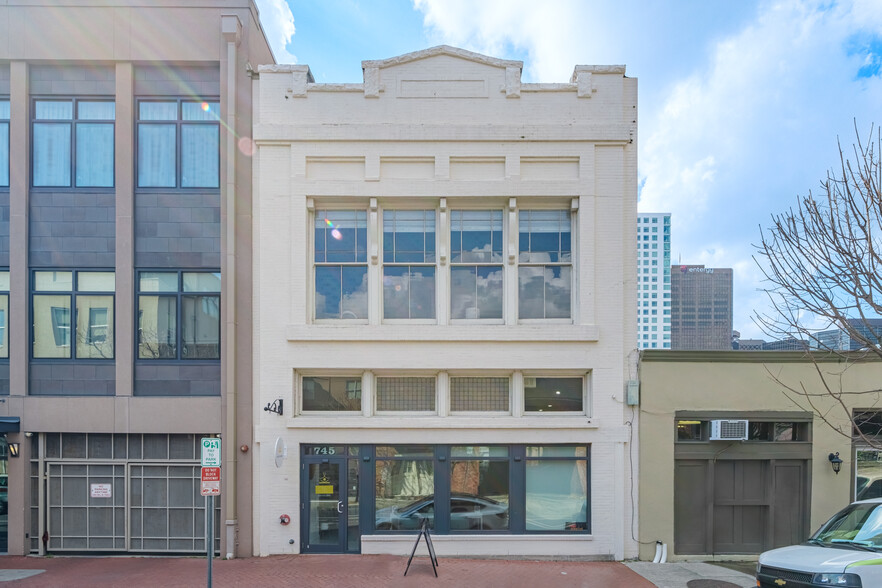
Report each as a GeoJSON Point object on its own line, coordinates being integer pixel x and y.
{"type": "Point", "coordinates": [822, 262]}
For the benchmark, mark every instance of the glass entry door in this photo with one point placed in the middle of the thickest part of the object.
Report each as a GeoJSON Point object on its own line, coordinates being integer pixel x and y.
{"type": "Point", "coordinates": [325, 516]}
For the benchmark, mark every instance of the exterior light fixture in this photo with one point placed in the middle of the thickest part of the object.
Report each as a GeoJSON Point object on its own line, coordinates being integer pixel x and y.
{"type": "Point", "coordinates": [13, 449]}
{"type": "Point", "coordinates": [835, 461]}
{"type": "Point", "coordinates": [275, 407]}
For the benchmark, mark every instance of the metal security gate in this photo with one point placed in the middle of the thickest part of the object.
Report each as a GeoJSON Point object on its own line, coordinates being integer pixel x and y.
{"type": "Point", "coordinates": [118, 493]}
{"type": "Point", "coordinates": [86, 507]}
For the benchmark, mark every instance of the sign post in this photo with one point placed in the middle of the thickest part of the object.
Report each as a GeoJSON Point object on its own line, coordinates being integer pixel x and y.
{"type": "Point", "coordinates": [211, 475]}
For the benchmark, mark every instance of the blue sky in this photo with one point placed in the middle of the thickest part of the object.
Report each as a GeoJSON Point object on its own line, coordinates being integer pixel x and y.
{"type": "Point", "coordinates": [741, 103]}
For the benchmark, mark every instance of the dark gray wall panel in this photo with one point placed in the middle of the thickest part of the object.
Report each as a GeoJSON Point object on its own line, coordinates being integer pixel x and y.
{"type": "Point", "coordinates": [4, 79]}
{"type": "Point", "coordinates": [180, 230]}
{"type": "Point", "coordinates": [180, 379]}
{"type": "Point", "coordinates": [73, 80]}
{"type": "Point", "coordinates": [170, 80]}
{"type": "Point", "coordinates": [72, 229]}
{"type": "Point", "coordinates": [4, 379]}
{"type": "Point", "coordinates": [72, 378]}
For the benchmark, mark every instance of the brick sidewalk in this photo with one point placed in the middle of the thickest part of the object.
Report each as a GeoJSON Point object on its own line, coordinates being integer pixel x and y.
{"type": "Point", "coordinates": [315, 571]}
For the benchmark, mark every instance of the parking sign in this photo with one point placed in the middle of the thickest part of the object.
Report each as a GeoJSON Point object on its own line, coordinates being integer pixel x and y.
{"type": "Point", "coordinates": [211, 452]}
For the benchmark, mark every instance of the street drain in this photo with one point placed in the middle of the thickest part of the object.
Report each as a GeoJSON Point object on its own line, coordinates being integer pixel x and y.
{"type": "Point", "coordinates": [704, 583]}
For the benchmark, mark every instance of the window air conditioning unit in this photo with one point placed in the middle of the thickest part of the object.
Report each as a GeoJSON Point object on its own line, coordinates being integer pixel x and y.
{"type": "Point", "coordinates": [728, 431]}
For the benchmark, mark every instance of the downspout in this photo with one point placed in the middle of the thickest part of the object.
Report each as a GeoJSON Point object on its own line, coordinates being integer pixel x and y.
{"type": "Point", "coordinates": [231, 27]}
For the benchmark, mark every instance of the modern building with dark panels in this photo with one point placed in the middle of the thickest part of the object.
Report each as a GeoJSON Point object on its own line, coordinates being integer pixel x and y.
{"type": "Point", "coordinates": [701, 308]}
{"type": "Point", "coordinates": [125, 256]}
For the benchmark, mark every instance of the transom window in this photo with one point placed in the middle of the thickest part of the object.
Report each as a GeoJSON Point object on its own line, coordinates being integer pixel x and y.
{"type": "Point", "coordinates": [72, 138]}
{"type": "Point", "coordinates": [476, 269]}
{"type": "Point", "coordinates": [179, 315]}
{"type": "Point", "coordinates": [409, 264]}
{"type": "Point", "coordinates": [331, 393]}
{"type": "Point", "coordinates": [178, 144]}
{"type": "Point", "coordinates": [73, 314]}
{"type": "Point", "coordinates": [545, 264]}
{"type": "Point", "coordinates": [4, 143]}
{"type": "Point", "coordinates": [543, 394]}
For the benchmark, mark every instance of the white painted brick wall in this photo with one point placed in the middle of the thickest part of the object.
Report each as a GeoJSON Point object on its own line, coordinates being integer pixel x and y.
{"type": "Point", "coordinates": [544, 122]}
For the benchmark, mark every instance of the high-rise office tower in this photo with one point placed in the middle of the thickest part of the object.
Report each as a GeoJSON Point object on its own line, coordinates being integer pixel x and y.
{"type": "Point", "coordinates": [701, 307]}
{"type": "Point", "coordinates": [654, 280]}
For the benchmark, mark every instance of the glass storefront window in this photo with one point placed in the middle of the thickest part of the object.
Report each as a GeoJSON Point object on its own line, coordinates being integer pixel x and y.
{"type": "Point", "coordinates": [868, 474]}
{"type": "Point", "coordinates": [405, 493]}
{"type": "Point", "coordinates": [479, 495]}
{"type": "Point", "coordinates": [557, 495]}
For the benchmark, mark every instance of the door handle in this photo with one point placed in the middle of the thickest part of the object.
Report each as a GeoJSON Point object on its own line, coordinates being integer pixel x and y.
{"type": "Point", "coordinates": [339, 507]}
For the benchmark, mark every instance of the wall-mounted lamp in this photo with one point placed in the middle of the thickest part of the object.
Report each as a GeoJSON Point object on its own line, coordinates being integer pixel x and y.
{"type": "Point", "coordinates": [835, 461]}
{"type": "Point", "coordinates": [275, 407]}
{"type": "Point", "coordinates": [13, 449]}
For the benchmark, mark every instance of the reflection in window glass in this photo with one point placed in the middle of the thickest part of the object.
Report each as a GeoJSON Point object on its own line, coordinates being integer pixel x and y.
{"type": "Point", "coordinates": [557, 495]}
{"type": "Point", "coordinates": [479, 491]}
{"type": "Point", "coordinates": [4, 314]}
{"type": "Point", "coordinates": [405, 493]}
{"type": "Point", "coordinates": [868, 474]}
{"type": "Point", "coordinates": [160, 336]}
{"type": "Point", "coordinates": [475, 285]}
{"type": "Point", "coordinates": [200, 327]}
{"type": "Point", "coordinates": [553, 394]}
{"type": "Point", "coordinates": [408, 249]}
{"type": "Point", "coordinates": [339, 393]}
{"type": "Point", "coordinates": [544, 264]}
{"type": "Point", "coordinates": [82, 301]}
{"type": "Point", "coordinates": [340, 257]}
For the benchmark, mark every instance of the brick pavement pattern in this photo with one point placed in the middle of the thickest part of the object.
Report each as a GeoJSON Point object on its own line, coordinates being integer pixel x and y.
{"type": "Point", "coordinates": [317, 571]}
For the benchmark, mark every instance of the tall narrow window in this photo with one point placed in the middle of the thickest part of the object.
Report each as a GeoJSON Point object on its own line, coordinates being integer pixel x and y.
{"type": "Point", "coordinates": [73, 314]}
{"type": "Point", "coordinates": [340, 258]}
{"type": "Point", "coordinates": [4, 314]}
{"type": "Point", "coordinates": [545, 264]}
{"type": "Point", "coordinates": [178, 315]}
{"type": "Point", "coordinates": [409, 264]}
{"type": "Point", "coordinates": [178, 144]}
{"type": "Point", "coordinates": [476, 270]}
{"type": "Point", "coordinates": [73, 138]}
{"type": "Point", "coordinates": [4, 143]}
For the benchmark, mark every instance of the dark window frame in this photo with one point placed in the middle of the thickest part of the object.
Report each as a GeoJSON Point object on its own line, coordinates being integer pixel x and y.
{"type": "Point", "coordinates": [179, 123]}
{"type": "Point", "coordinates": [72, 294]}
{"type": "Point", "coordinates": [517, 458]}
{"type": "Point", "coordinates": [179, 295]}
{"type": "Point", "coordinates": [72, 122]}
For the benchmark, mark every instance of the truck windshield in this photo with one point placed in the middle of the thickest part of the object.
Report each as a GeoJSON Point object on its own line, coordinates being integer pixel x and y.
{"type": "Point", "coordinates": [858, 526]}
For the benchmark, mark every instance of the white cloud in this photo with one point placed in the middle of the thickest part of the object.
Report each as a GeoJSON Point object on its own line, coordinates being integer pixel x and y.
{"type": "Point", "coordinates": [278, 25]}
{"type": "Point", "coordinates": [545, 31]}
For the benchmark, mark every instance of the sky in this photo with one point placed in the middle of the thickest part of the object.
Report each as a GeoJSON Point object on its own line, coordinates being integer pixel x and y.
{"type": "Point", "coordinates": [742, 105]}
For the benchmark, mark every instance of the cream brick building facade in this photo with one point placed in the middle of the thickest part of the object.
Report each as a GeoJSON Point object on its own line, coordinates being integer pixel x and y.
{"type": "Point", "coordinates": [444, 281]}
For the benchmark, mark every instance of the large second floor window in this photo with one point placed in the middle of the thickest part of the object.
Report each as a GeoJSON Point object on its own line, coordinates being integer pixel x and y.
{"type": "Point", "coordinates": [4, 143]}
{"type": "Point", "coordinates": [73, 143]}
{"type": "Point", "coordinates": [178, 315]}
{"type": "Point", "coordinates": [545, 264]}
{"type": "Point", "coordinates": [409, 264]}
{"type": "Point", "coordinates": [476, 270]}
{"type": "Point", "coordinates": [178, 144]}
{"type": "Point", "coordinates": [73, 314]}
{"type": "Point", "coordinates": [341, 271]}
